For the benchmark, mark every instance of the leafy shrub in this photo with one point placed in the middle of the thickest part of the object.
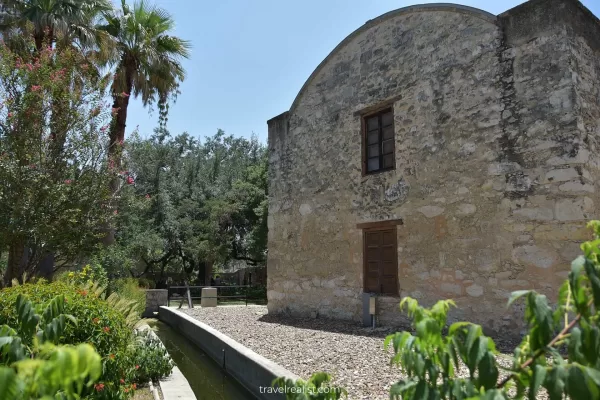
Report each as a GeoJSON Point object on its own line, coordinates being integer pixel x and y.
{"type": "Point", "coordinates": [90, 273]}
{"type": "Point", "coordinates": [152, 357]}
{"type": "Point", "coordinates": [34, 366]}
{"type": "Point", "coordinates": [146, 283]}
{"type": "Point", "coordinates": [430, 359]}
{"type": "Point", "coordinates": [98, 324]}
{"type": "Point", "coordinates": [129, 289]}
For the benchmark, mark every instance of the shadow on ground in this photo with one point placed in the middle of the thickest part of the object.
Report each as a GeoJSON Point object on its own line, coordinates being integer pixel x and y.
{"type": "Point", "coordinates": [329, 325]}
{"type": "Point", "coordinates": [503, 344]}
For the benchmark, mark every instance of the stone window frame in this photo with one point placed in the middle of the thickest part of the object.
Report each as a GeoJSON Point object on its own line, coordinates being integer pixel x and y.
{"type": "Point", "coordinates": [380, 226]}
{"type": "Point", "coordinates": [378, 113]}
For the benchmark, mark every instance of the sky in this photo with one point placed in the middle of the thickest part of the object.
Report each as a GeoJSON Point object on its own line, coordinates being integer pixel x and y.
{"type": "Point", "coordinates": [250, 58]}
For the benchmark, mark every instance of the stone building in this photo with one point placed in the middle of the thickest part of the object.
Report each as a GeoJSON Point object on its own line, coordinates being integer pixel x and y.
{"type": "Point", "coordinates": [438, 152]}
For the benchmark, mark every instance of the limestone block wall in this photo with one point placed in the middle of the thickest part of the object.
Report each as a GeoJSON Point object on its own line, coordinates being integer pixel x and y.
{"type": "Point", "coordinates": [495, 122]}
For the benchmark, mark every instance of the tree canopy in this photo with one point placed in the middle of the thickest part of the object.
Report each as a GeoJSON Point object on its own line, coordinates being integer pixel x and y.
{"type": "Point", "coordinates": [191, 203]}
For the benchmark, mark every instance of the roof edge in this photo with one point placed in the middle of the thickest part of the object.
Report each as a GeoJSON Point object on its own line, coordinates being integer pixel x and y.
{"type": "Point", "coordinates": [449, 7]}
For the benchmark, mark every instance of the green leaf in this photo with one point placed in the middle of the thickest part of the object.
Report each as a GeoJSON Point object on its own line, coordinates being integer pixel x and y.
{"type": "Point", "coordinates": [575, 353]}
{"type": "Point", "coordinates": [516, 295]}
{"type": "Point", "coordinates": [592, 274]}
{"type": "Point", "coordinates": [540, 318]}
{"type": "Point", "coordinates": [397, 390]}
{"type": "Point", "coordinates": [577, 288]}
{"type": "Point", "coordinates": [577, 387]}
{"type": "Point", "coordinates": [494, 394]}
{"type": "Point", "coordinates": [539, 374]}
{"type": "Point", "coordinates": [488, 371]}
{"type": "Point", "coordinates": [10, 386]}
{"type": "Point", "coordinates": [555, 382]}
{"type": "Point", "coordinates": [593, 375]}
{"type": "Point", "coordinates": [421, 391]}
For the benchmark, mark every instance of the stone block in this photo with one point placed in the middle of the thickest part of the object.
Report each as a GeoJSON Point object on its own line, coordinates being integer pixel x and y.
{"type": "Point", "coordinates": [155, 298]}
{"type": "Point", "coordinates": [209, 297]}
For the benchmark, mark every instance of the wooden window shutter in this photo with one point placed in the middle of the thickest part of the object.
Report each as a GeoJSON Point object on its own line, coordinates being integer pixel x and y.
{"type": "Point", "coordinates": [380, 261]}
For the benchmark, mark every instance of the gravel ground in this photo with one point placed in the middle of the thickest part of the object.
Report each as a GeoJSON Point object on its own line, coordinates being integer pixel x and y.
{"type": "Point", "coordinates": [352, 354]}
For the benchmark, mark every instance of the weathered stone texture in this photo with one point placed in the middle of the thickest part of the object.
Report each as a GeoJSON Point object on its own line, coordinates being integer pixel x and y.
{"type": "Point", "coordinates": [496, 127]}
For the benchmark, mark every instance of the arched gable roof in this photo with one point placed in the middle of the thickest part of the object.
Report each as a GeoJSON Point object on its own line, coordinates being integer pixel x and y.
{"type": "Point", "coordinates": [448, 7]}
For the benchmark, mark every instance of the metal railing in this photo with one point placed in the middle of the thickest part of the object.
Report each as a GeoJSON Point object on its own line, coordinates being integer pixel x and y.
{"type": "Point", "coordinates": [189, 293]}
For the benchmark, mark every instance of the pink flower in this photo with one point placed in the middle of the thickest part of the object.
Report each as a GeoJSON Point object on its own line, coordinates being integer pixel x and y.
{"type": "Point", "coordinates": [115, 212]}
{"type": "Point", "coordinates": [130, 180]}
{"type": "Point", "coordinates": [123, 94]}
{"type": "Point", "coordinates": [29, 66]}
{"type": "Point", "coordinates": [120, 142]}
{"type": "Point", "coordinates": [115, 110]}
{"type": "Point", "coordinates": [104, 128]}
{"type": "Point", "coordinates": [10, 115]}
{"type": "Point", "coordinates": [147, 196]}
{"type": "Point", "coordinates": [67, 182]}
{"type": "Point", "coordinates": [35, 88]}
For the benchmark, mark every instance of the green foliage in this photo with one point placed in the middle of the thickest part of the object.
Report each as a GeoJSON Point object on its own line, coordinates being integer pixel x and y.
{"type": "Point", "coordinates": [90, 273]}
{"type": "Point", "coordinates": [318, 387]}
{"type": "Point", "coordinates": [129, 289]}
{"type": "Point", "coordinates": [151, 356]}
{"type": "Point", "coordinates": [53, 165]}
{"type": "Point", "coordinates": [104, 322]}
{"type": "Point", "coordinates": [97, 322]}
{"type": "Point", "coordinates": [193, 203]}
{"type": "Point", "coordinates": [144, 48]}
{"type": "Point", "coordinates": [33, 366]}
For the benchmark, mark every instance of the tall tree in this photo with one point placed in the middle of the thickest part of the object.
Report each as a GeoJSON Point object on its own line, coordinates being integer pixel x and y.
{"type": "Point", "coordinates": [191, 203]}
{"type": "Point", "coordinates": [147, 60]}
{"type": "Point", "coordinates": [54, 19]}
{"type": "Point", "coordinates": [45, 209]}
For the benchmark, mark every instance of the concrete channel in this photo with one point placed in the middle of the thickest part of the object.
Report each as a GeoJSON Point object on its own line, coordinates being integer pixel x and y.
{"type": "Point", "coordinates": [175, 386]}
{"type": "Point", "coordinates": [253, 371]}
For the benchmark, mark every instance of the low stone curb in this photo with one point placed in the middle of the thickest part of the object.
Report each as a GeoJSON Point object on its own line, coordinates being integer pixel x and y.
{"type": "Point", "coordinates": [253, 371]}
{"type": "Point", "coordinates": [153, 391]}
{"type": "Point", "coordinates": [174, 386]}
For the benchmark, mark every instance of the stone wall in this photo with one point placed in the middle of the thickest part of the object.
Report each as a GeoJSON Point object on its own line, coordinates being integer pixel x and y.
{"type": "Point", "coordinates": [495, 127]}
{"type": "Point", "coordinates": [155, 298]}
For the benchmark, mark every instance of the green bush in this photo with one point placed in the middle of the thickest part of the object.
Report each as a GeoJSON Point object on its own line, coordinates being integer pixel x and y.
{"type": "Point", "coordinates": [90, 273]}
{"type": "Point", "coordinates": [152, 358]}
{"type": "Point", "coordinates": [98, 324]}
{"type": "Point", "coordinates": [129, 289]}
{"type": "Point", "coordinates": [34, 366]}
{"type": "Point", "coordinates": [146, 283]}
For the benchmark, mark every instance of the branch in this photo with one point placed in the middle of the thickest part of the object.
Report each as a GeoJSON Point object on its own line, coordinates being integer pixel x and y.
{"type": "Point", "coordinates": [541, 351]}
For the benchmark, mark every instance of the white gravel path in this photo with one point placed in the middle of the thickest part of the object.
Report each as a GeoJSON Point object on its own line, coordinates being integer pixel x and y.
{"type": "Point", "coordinates": [352, 354]}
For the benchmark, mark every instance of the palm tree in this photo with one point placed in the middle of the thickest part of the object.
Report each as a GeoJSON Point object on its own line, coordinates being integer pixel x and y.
{"type": "Point", "coordinates": [54, 19]}
{"type": "Point", "coordinates": [148, 63]}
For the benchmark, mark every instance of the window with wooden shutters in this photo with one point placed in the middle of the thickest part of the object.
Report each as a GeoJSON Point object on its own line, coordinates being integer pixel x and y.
{"type": "Point", "coordinates": [380, 261]}
{"type": "Point", "coordinates": [379, 146]}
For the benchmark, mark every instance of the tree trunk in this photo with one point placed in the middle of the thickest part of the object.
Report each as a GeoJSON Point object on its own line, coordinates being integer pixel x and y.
{"type": "Point", "coordinates": [15, 267]}
{"type": "Point", "coordinates": [117, 137]}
